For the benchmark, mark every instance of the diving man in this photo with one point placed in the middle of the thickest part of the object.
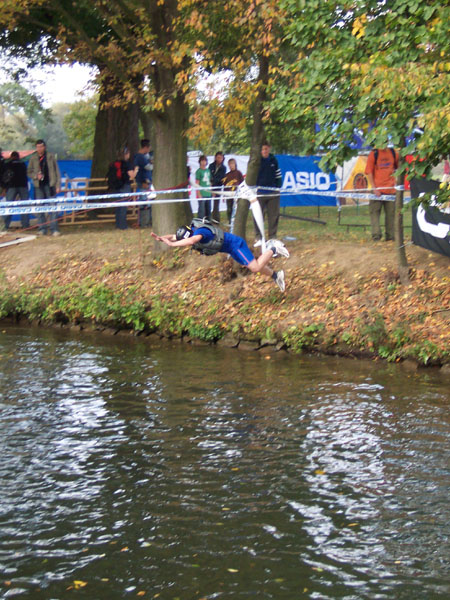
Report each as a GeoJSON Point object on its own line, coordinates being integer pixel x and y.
{"type": "Point", "coordinates": [209, 239]}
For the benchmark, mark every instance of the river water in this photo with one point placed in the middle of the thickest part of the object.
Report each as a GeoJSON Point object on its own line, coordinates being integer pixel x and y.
{"type": "Point", "coordinates": [133, 470]}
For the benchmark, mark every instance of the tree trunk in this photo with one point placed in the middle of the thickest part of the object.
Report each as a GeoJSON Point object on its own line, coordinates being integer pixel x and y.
{"type": "Point", "coordinates": [115, 128]}
{"type": "Point", "coordinates": [170, 166]}
{"type": "Point", "coordinates": [402, 261]}
{"type": "Point", "coordinates": [146, 124]}
{"type": "Point", "coordinates": [240, 223]}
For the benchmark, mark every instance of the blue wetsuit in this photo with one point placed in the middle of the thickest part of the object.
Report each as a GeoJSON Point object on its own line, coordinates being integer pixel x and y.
{"type": "Point", "coordinates": [233, 245]}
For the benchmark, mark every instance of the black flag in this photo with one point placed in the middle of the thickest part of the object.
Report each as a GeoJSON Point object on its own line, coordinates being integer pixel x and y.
{"type": "Point", "coordinates": [431, 226]}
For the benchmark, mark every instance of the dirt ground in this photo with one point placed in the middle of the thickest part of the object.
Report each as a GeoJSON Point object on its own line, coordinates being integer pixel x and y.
{"type": "Point", "coordinates": [340, 287]}
{"type": "Point", "coordinates": [346, 259]}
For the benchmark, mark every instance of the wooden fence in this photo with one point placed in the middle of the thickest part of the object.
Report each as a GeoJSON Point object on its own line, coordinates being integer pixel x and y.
{"type": "Point", "coordinates": [91, 187]}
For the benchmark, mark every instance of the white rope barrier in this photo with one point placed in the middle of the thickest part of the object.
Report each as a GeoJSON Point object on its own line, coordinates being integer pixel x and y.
{"type": "Point", "coordinates": [82, 203]}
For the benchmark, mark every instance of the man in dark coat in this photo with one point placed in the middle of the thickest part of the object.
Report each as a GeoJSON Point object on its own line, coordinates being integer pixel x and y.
{"type": "Point", "coordinates": [218, 172]}
{"type": "Point", "coordinates": [269, 176]}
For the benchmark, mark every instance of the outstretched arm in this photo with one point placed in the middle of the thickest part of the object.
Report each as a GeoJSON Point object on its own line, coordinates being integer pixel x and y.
{"type": "Point", "coordinates": [171, 240]}
{"type": "Point", "coordinates": [162, 238]}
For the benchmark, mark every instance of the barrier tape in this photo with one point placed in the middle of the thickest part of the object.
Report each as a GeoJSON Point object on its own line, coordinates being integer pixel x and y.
{"type": "Point", "coordinates": [67, 207]}
{"type": "Point", "coordinates": [77, 203]}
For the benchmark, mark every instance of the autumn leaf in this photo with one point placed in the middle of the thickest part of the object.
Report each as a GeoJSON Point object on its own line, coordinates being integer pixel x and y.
{"type": "Point", "coordinates": [78, 584]}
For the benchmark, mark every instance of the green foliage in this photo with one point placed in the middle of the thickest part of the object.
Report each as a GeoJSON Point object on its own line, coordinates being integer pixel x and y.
{"type": "Point", "coordinates": [52, 130]}
{"type": "Point", "coordinates": [362, 63]}
{"type": "Point", "coordinates": [167, 318]}
{"type": "Point", "coordinates": [79, 125]}
{"type": "Point", "coordinates": [375, 330]}
{"type": "Point", "coordinates": [203, 331]}
{"type": "Point", "coordinates": [21, 113]}
{"type": "Point", "coordinates": [299, 339]}
{"type": "Point", "coordinates": [394, 346]}
{"type": "Point", "coordinates": [428, 353]}
{"type": "Point", "coordinates": [76, 303]}
{"type": "Point", "coordinates": [7, 303]}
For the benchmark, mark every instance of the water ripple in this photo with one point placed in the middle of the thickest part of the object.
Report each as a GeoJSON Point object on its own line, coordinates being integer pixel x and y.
{"type": "Point", "coordinates": [201, 473]}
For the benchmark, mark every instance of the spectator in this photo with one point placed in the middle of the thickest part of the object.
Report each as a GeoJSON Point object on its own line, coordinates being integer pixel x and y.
{"type": "Point", "coordinates": [231, 180]}
{"type": "Point", "coordinates": [143, 168]}
{"type": "Point", "coordinates": [203, 180]}
{"type": "Point", "coordinates": [44, 172]}
{"type": "Point", "coordinates": [446, 176]}
{"type": "Point", "coordinates": [2, 187]}
{"type": "Point", "coordinates": [2, 168]}
{"type": "Point", "coordinates": [269, 176]}
{"type": "Point", "coordinates": [380, 168]}
{"type": "Point", "coordinates": [218, 170]}
{"type": "Point", "coordinates": [120, 175]}
{"type": "Point", "coordinates": [16, 184]}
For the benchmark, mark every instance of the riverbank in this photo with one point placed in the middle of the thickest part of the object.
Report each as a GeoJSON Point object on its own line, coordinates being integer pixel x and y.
{"type": "Point", "coordinates": [342, 294]}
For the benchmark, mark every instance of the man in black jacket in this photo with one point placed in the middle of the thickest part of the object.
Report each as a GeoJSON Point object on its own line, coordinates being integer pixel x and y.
{"type": "Point", "coordinates": [269, 176]}
{"type": "Point", "coordinates": [15, 182]}
{"type": "Point", "coordinates": [218, 172]}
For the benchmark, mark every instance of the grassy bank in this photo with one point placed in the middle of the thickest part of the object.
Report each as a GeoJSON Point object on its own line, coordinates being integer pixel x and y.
{"type": "Point", "coordinates": [343, 295]}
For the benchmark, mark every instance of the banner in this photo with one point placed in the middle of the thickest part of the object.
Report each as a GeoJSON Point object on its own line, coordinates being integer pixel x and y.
{"type": "Point", "coordinates": [302, 174]}
{"type": "Point", "coordinates": [299, 174]}
{"type": "Point", "coordinates": [74, 176]}
{"type": "Point", "coordinates": [431, 226]}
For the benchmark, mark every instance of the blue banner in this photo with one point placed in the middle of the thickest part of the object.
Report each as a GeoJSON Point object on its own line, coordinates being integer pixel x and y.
{"type": "Point", "coordinates": [72, 170]}
{"type": "Point", "coordinates": [301, 174]}
{"type": "Point", "coordinates": [75, 168]}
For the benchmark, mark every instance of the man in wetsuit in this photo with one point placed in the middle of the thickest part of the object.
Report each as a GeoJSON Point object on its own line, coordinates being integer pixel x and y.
{"type": "Point", "coordinates": [210, 239]}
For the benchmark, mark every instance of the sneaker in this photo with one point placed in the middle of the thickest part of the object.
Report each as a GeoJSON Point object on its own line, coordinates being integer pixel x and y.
{"type": "Point", "coordinates": [257, 244]}
{"type": "Point", "coordinates": [41, 232]}
{"type": "Point", "coordinates": [278, 248]}
{"type": "Point", "coordinates": [56, 233]}
{"type": "Point", "coordinates": [279, 280]}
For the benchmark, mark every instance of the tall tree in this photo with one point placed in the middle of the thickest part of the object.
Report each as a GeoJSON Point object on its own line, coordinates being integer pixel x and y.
{"type": "Point", "coordinates": [149, 53]}
{"type": "Point", "coordinates": [79, 125]}
{"type": "Point", "coordinates": [372, 65]}
{"type": "Point", "coordinates": [20, 114]}
{"type": "Point", "coordinates": [143, 51]}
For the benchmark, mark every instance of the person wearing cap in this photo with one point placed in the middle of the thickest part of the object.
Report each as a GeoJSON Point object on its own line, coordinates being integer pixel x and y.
{"type": "Point", "coordinates": [207, 238]}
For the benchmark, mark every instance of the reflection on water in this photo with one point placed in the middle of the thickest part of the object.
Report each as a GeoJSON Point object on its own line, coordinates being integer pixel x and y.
{"type": "Point", "coordinates": [187, 473]}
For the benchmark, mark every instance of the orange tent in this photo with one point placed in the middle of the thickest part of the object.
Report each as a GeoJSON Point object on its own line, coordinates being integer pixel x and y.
{"type": "Point", "coordinates": [22, 153]}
